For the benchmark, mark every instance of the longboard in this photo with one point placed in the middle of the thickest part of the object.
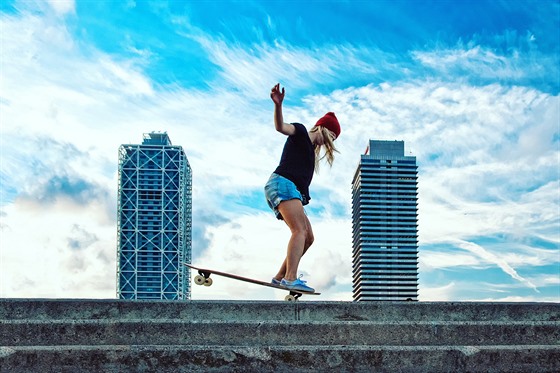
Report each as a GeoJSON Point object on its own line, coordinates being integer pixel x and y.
{"type": "Point", "coordinates": [203, 278]}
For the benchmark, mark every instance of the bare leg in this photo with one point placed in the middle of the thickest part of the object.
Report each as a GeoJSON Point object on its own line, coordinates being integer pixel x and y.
{"type": "Point", "coordinates": [282, 272]}
{"type": "Point", "coordinates": [301, 239]}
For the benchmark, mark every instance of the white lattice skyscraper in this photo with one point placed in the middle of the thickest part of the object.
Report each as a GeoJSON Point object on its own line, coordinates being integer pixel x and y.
{"type": "Point", "coordinates": [154, 220]}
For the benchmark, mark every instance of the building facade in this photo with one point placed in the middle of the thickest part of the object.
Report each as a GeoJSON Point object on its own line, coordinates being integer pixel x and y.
{"type": "Point", "coordinates": [154, 227]}
{"type": "Point", "coordinates": [385, 224]}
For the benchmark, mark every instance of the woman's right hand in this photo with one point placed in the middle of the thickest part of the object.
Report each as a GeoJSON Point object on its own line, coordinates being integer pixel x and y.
{"type": "Point", "coordinates": [276, 95]}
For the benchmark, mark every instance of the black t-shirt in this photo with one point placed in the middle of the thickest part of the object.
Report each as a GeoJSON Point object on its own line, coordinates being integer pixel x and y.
{"type": "Point", "coordinates": [298, 161]}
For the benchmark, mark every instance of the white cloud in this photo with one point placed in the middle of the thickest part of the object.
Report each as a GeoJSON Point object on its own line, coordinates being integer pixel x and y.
{"type": "Point", "coordinates": [511, 58]}
{"type": "Point", "coordinates": [542, 280]}
{"type": "Point", "coordinates": [493, 258]}
{"type": "Point", "coordinates": [431, 260]}
{"type": "Point", "coordinates": [37, 258]}
{"type": "Point", "coordinates": [253, 71]}
{"type": "Point", "coordinates": [437, 294]}
{"type": "Point", "coordinates": [63, 7]}
{"type": "Point", "coordinates": [471, 58]}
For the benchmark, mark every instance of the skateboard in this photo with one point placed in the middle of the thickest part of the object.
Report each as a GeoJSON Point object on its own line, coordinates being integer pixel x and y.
{"type": "Point", "coordinates": [203, 278]}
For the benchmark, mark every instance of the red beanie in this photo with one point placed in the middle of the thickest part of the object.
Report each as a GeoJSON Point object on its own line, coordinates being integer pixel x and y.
{"type": "Point", "coordinates": [330, 122]}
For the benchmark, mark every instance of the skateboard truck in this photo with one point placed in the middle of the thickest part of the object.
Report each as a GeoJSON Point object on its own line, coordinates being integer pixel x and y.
{"type": "Point", "coordinates": [203, 278]}
{"type": "Point", "coordinates": [292, 297]}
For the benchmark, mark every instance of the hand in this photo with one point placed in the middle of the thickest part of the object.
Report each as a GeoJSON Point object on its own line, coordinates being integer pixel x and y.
{"type": "Point", "coordinates": [277, 96]}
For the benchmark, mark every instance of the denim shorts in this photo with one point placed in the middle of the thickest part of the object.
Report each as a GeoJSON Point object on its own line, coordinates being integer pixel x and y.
{"type": "Point", "coordinates": [278, 189]}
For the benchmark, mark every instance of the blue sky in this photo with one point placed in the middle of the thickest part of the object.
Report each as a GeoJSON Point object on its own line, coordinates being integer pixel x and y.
{"type": "Point", "coordinates": [471, 87]}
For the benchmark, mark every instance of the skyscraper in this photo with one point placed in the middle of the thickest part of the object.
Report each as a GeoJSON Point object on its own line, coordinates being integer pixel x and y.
{"type": "Point", "coordinates": [385, 224]}
{"type": "Point", "coordinates": [154, 220]}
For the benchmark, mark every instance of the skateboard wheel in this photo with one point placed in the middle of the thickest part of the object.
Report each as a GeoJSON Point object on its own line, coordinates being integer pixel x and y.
{"type": "Point", "coordinates": [208, 282]}
{"type": "Point", "coordinates": [199, 280]}
{"type": "Point", "coordinates": [290, 298]}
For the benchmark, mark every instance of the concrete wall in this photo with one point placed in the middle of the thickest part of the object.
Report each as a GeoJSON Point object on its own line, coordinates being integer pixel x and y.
{"type": "Point", "coordinates": [171, 336]}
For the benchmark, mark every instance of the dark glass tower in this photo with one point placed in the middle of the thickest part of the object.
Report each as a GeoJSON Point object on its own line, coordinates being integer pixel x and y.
{"type": "Point", "coordinates": [385, 224]}
{"type": "Point", "coordinates": [154, 220]}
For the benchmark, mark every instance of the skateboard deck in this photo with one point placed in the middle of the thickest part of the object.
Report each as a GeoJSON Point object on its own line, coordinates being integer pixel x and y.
{"type": "Point", "coordinates": [203, 278]}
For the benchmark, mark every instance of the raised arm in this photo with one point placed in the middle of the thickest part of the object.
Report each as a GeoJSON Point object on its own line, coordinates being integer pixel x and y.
{"type": "Point", "coordinates": [277, 97]}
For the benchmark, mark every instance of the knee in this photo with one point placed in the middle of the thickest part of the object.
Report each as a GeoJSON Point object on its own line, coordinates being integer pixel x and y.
{"type": "Point", "coordinates": [305, 233]}
{"type": "Point", "coordinates": [300, 232]}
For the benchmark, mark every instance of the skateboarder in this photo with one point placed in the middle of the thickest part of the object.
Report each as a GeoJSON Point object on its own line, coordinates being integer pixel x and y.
{"type": "Point", "coordinates": [287, 190]}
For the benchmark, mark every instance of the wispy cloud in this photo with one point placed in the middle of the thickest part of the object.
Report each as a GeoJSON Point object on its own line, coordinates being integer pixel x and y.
{"type": "Point", "coordinates": [493, 258]}
{"type": "Point", "coordinates": [521, 63]}
{"type": "Point", "coordinates": [250, 70]}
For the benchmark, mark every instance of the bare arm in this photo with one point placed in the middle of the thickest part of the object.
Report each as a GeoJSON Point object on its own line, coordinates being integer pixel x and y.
{"type": "Point", "coordinates": [277, 97]}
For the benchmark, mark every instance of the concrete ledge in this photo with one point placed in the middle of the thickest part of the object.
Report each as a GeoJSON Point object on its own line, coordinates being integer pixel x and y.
{"type": "Point", "coordinates": [174, 358]}
{"type": "Point", "coordinates": [91, 309]}
{"type": "Point", "coordinates": [245, 333]}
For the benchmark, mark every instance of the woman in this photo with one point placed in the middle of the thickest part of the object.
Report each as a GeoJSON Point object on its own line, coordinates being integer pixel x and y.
{"type": "Point", "coordinates": [287, 190]}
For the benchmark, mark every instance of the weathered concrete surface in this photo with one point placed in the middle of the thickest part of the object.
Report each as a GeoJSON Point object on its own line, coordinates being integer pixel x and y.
{"type": "Point", "coordinates": [431, 359]}
{"type": "Point", "coordinates": [88, 309]}
{"type": "Point", "coordinates": [216, 336]}
{"type": "Point", "coordinates": [250, 333]}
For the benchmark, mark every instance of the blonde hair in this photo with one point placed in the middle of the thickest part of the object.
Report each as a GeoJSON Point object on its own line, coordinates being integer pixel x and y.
{"type": "Point", "coordinates": [330, 149]}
